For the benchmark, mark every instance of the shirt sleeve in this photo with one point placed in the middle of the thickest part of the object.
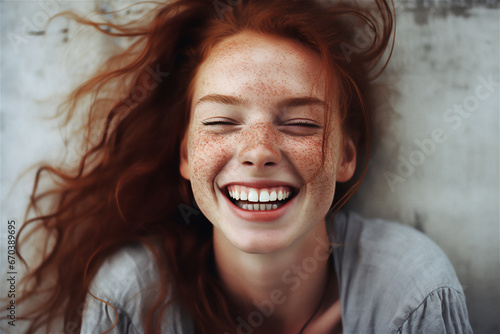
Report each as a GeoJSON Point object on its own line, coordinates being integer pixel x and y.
{"type": "Point", "coordinates": [443, 311]}
{"type": "Point", "coordinates": [394, 279]}
{"type": "Point", "coordinates": [125, 286]}
{"type": "Point", "coordinates": [103, 317]}
{"type": "Point", "coordinates": [118, 293]}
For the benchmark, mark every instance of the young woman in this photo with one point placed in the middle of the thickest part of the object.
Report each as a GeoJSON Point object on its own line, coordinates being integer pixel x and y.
{"type": "Point", "coordinates": [235, 132]}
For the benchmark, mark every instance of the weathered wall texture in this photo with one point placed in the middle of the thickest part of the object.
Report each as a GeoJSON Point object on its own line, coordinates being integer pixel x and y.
{"type": "Point", "coordinates": [438, 171]}
{"type": "Point", "coordinates": [444, 179]}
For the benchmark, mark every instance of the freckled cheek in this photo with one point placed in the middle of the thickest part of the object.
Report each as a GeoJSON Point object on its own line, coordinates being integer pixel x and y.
{"type": "Point", "coordinates": [208, 154]}
{"type": "Point", "coordinates": [207, 157]}
{"type": "Point", "coordinates": [317, 171]}
{"type": "Point", "coordinates": [306, 156]}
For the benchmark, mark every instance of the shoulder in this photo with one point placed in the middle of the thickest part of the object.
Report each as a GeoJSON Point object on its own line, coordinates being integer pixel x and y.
{"type": "Point", "coordinates": [390, 248]}
{"type": "Point", "coordinates": [122, 292]}
{"type": "Point", "coordinates": [131, 268]}
{"type": "Point", "coordinates": [388, 272]}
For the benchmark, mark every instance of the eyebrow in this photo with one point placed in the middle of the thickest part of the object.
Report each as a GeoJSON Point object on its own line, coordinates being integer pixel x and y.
{"type": "Point", "coordinates": [299, 102]}
{"type": "Point", "coordinates": [236, 101]}
{"type": "Point", "coordinates": [222, 99]}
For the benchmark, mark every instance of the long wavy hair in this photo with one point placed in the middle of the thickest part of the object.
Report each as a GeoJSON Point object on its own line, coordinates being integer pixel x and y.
{"type": "Point", "coordinates": [127, 187]}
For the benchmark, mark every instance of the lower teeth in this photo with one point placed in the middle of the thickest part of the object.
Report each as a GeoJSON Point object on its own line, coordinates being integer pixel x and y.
{"type": "Point", "coordinates": [258, 207]}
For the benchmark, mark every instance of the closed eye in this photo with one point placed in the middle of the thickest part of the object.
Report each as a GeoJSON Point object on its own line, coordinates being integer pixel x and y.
{"type": "Point", "coordinates": [301, 127]}
{"type": "Point", "coordinates": [303, 123]}
{"type": "Point", "coordinates": [219, 121]}
{"type": "Point", "coordinates": [220, 125]}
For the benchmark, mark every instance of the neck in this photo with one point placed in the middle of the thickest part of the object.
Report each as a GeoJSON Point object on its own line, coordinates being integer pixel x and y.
{"type": "Point", "coordinates": [284, 287]}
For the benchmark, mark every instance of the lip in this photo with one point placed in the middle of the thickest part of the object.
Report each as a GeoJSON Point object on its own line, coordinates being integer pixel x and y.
{"type": "Point", "coordinates": [259, 184]}
{"type": "Point", "coordinates": [259, 216]}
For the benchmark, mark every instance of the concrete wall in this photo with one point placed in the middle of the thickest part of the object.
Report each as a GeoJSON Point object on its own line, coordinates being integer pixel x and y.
{"type": "Point", "coordinates": [438, 170]}
{"type": "Point", "coordinates": [442, 177]}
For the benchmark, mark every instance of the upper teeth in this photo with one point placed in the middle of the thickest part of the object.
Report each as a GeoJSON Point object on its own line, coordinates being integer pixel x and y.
{"type": "Point", "coordinates": [259, 195]}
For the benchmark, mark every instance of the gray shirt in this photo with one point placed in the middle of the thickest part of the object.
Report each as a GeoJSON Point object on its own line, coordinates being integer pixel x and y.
{"type": "Point", "coordinates": [392, 279]}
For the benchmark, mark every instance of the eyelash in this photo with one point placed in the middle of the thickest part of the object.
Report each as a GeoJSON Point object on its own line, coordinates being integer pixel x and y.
{"type": "Point", "coordinates": [304, 123]}
{"type": "Point", "coordinates": [220, 122]}
{"type": "Point", "coordinates": [300, 123]}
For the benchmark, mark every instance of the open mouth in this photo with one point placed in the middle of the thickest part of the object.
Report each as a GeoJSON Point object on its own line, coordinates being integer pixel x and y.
{"type": "Point", "coordinates": [255, 199]}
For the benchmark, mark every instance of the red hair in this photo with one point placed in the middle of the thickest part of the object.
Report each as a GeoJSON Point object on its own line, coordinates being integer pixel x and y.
{"type": "Point", "coordinates": [127, 187]}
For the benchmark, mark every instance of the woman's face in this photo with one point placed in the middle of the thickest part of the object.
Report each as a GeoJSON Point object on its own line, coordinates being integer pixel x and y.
{"type": "Point", "coordinates": [253, 148]}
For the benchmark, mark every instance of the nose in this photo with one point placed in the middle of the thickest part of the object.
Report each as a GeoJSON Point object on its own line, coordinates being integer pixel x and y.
{"type": "Point", "coordinates": [259, 147]}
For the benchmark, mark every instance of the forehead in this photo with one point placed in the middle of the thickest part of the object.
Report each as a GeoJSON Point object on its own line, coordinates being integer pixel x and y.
{"type": "Point", "coordinates": [251, 65]}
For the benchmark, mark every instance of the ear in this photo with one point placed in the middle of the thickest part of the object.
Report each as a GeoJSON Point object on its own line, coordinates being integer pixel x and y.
{"type": "Point", "coordinates": [183, 164]}
{"type": "Point", "coordinates": [347, 164]}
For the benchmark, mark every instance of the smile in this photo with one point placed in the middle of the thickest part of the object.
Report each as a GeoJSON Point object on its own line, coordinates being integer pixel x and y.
{"type": "Point", "coordinates": [255, 199]}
